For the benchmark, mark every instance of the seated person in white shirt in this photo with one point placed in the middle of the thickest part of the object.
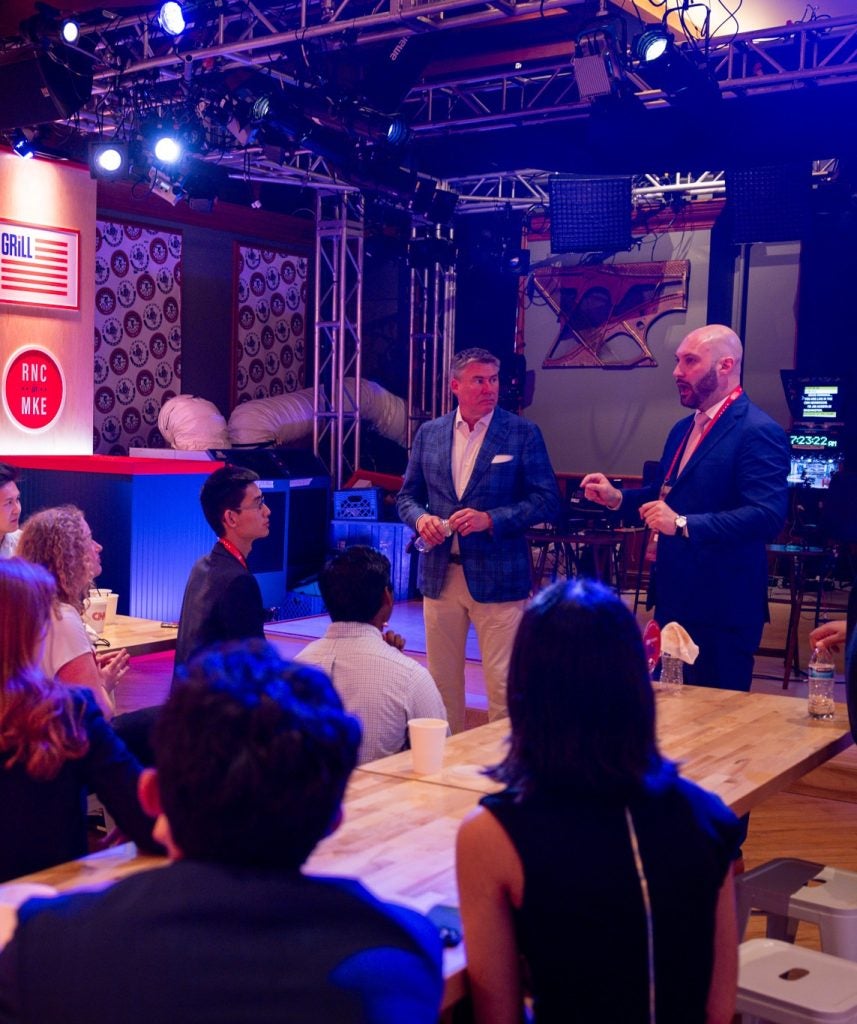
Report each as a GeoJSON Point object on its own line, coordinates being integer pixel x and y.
{"type": "Point", "coordinates": [10, 510]}
{"type": "Point", "coordinates": [376, 682]}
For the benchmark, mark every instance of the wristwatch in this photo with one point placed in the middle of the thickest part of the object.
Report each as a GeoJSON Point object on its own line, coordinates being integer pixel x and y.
{"type": "Point", "coordinates": [681, 526]}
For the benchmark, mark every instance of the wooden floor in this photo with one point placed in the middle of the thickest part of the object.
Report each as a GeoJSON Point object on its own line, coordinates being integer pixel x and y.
{"type": "Point", "coordinates": [816, 820]}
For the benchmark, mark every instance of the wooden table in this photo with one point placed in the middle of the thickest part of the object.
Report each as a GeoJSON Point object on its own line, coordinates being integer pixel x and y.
{"type": "Point", "coordinates": [742, 746]}
{"type": "Point", "coordinates": [398, 833]}
{"type": "Point", "coordinates": [139, 636]}
{"type": "Point", "coordinates": [605, 546]}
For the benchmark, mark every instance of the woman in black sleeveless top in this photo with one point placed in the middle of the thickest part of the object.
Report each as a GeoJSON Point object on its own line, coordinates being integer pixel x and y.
{"type": "Point", "coordinates": [599, 874]}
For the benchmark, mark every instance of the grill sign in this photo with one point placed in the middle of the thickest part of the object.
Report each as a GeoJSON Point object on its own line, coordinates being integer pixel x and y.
{"type": "Point", "coordinates": [39, 266]}
{"type": "Point", "coordinates": [33, 389]}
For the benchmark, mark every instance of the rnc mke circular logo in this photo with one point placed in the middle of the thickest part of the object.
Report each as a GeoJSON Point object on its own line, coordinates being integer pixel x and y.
{"type": "Point", "coordinates": [33, 389]}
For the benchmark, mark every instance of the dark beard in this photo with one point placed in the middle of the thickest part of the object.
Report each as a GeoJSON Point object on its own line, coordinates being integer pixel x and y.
{"type": "Point", "coordinates": [702, 392]}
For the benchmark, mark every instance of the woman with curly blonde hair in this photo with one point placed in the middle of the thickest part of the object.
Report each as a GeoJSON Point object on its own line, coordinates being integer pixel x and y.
{"type": "Point", "coordinates": [60, 540]}
{"type": "Point", "coordinates": [54, 743]}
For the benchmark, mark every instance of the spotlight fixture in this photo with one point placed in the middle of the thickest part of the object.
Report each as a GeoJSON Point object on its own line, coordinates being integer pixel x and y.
{"type": "Point", "coordinates": [22, 146]}
{"type": "Point", "coordinates": [171, 18]}
{"type": "Point", "coordinates": [678, 72]}
{"type": "Point", "coordinates": [652, 45]}
{"type": "Point", "coordinates": [167, 150]}
{"type": "Point", "coordinates": [70, 31]}
{"type": "Point", "coordinates": [108, 159]}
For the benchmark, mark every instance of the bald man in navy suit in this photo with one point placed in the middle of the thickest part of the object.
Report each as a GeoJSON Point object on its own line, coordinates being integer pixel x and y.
{"type": "Point", "coordinates": [722, 496]}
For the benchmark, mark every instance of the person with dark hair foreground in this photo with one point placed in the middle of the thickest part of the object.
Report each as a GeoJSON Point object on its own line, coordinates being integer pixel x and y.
{"type": "Point", "coordinates": [55, 745]}
{"type": "Point", "coordinates": [602, 867]}
{"type": "Point", "coordinates": [376, 682]}
{"type": "Point", "coordinates": [222, 600]}
{"type": "Point", "coordinates": [253, 756]}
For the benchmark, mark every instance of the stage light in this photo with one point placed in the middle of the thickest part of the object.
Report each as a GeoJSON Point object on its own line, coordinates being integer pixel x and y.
{"type": "Point", "coordinates": [108, 159]}
{"type": "Point", "coordinates": [397, 132]}
{"type": "Point", "coordinates": [167, 150]}
{"type": "Point", "coordinates": [652, 45]}
{"type": "Point", "coordinates": [70, 31]}
{"type": "Point", "coordinates": [596, 63]}
{"type": "Point", "coordinates": [171, 18]}
{"type": "Point", "coordinates": [22, 146]}
{"type": "Point", "coordinates": [680, 73]}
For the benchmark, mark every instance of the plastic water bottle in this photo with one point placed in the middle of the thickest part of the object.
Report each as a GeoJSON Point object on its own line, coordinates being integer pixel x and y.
{"type": "Point", "coordinates": [422, 545]}
{"type": "Point", "coordinates": [820, 676]}
{"type": "Point", "coordinates": [672, 674]}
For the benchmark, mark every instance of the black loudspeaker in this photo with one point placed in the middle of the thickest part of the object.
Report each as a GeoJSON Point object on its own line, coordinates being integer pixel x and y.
{"type": "Point", "coordinates": [769, 204]}
{"type": "Point", "coordinates": [590, 214]}
{"type": "Point", "coordinates": [39, 86]}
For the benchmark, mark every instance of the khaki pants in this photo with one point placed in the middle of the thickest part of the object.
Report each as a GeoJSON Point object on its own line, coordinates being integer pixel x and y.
{"type": "Point", "coordinates": [447, 619]}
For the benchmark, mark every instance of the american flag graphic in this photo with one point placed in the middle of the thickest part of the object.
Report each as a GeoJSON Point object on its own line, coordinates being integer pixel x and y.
{"type": "Point", "coordinates": [39, 266]}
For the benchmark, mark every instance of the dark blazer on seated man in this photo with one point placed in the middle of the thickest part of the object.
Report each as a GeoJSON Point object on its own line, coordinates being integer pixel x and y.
{"type": "Point", "coordinates": [253, 758]}
{"type": "Point", "coordinates": [222, 600]}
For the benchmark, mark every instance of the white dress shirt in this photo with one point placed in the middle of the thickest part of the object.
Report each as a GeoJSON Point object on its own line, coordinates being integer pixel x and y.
{"type": "Point", "coordinates": [376, 682]}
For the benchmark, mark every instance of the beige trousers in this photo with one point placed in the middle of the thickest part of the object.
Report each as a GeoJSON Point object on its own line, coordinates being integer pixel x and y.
{"type": "Point", "coordinates": [447, 619]}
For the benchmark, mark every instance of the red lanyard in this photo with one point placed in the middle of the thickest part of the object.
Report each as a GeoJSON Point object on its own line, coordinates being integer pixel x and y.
{"type": "Point", "coordinates": [732, 396]}
{"type": "Point", "coordinates": [230, 547]}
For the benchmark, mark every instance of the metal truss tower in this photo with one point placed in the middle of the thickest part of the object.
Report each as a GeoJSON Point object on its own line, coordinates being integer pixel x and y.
{"type": "Point", "coordinates": [431, 339]}
{"type": "Point", "coordinates": [337, 333]}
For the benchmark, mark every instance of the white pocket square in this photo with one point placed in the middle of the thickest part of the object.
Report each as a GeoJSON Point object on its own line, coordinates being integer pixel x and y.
{"type": "Point", "coordinates": [502, 458]}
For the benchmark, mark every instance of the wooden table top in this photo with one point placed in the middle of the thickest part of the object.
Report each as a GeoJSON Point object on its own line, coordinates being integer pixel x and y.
{"type": "Point", "coordinates": [742, 746]}
{"type": "Point", "coordinates": [139, 636]}
{"type": "Point", "coordinates": [398, 833]}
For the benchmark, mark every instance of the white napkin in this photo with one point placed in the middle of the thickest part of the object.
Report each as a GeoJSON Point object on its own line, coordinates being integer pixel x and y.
{"type": "Point", "coordinates": [678, 643]}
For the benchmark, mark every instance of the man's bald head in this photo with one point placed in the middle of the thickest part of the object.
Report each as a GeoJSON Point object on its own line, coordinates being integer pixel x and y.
{"type": "Point", "coordinates": [708, 366]}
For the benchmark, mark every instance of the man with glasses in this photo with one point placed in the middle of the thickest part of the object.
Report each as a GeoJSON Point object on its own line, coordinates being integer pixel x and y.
{"type": "Point", "coordinates": [10, 510]}
{"type": "Point", "coordinates": [222, 600]}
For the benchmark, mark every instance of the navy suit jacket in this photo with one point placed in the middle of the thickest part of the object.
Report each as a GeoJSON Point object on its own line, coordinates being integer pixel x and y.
{"type": "Point", "coordinates": [734, 493]}
{"type": "Point", "coordinates": [512, 480]}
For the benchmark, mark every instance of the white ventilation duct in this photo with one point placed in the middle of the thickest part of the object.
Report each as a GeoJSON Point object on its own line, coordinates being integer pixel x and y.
{"type": "Point", "coordinates": [285, 419]}
{"type": "Point", "coordinates": [192, 424]}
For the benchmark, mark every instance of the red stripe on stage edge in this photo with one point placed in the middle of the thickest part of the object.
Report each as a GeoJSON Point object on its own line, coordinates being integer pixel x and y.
{"type": "Point", "coordinates": [47, 243]}
{"type": "Point", "coordinates": [35, 264]}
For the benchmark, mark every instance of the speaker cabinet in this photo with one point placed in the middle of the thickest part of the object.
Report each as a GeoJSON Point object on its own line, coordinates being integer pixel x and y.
{"type": "Point", "coordinates": [37, 87]}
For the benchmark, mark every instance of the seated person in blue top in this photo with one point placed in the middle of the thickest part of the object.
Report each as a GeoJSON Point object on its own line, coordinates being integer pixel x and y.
{"type": "Point", "coordinates": [253, 756]}
{"type": "Point", "coordinates": [55, 745]}
{"type": "Point", "coordinates": [601, 867]}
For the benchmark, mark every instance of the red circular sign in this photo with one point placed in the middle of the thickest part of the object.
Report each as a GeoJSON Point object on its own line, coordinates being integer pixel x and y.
{"type": "Point", "coordinates": [33, 388]}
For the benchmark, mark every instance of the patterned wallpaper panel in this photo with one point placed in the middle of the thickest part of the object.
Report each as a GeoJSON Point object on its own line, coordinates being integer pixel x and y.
{"type": "Point", "coordinates": [270, 323]}
{"type": "Point", "coordinates": [138, 338]}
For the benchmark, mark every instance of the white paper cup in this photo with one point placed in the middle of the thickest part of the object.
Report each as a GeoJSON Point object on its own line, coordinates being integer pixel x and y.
{"type": "Point", "coordinates": [428, 736]}
{"type": "Point", "coordinates": [112, 601]}
{"type": "Point", "coordinates": [95, 613]}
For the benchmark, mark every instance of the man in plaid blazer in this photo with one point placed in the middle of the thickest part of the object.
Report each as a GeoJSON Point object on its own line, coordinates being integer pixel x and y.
{"type": "Point", "coordinates": [487, 473]}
